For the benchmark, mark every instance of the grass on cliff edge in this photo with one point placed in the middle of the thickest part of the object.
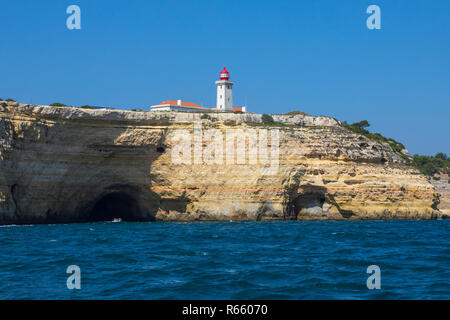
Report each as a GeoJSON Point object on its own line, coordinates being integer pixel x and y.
{"type": "Point", "coordinates": [58, 104]}
{"type": "Point", "coordinates": [267, 120]}
{"type": "Point", "coordinates": [428, 165]}
{"type": "Point", "coordinates": [359, 127]}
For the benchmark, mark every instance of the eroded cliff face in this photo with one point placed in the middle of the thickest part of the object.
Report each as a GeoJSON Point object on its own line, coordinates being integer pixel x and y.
{"type": "Point", "coordinates": [442, 186]}
{"type": "Point", "coordinates": [71, 164]}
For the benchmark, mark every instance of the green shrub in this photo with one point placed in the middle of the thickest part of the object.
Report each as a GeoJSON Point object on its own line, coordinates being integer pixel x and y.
{"type": "Point", "coordinates": [138, 110]}
{"type": "Point", "coordinates": [205, 116]}
{"type": "Point", "coordinates": [86, 107]}
{"type": "Point", "coordinates": [295, 112]}
{"type": "Point", "coordinates": [441, 156]}
{"type": "Point", "coordinates": [267, 119]}
{"type": "Point", "coordinates": [58, 104]}
{"type": "Point", "coordinates": [436, 178]}
{"type": "Point", "coordinates": [430, 165]}
{"type": "Point", "coordinates": [11, 100]}
{"type": "Point", "coordinates": [359, 127]}
{"type": "Point", "coordinates": [361, 124]}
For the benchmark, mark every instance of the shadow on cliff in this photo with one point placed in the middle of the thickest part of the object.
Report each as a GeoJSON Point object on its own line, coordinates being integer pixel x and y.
{"type": "Point", "coordinates": [310, 202]}
{"type": "Point", "coordinates": [115, 205]}
{"type": "Point", "coordinates": [102, 177]}
{"type": "Point", "coordinates": [125, 202]}
{"type": "Point", "coordinates": [130, 196]}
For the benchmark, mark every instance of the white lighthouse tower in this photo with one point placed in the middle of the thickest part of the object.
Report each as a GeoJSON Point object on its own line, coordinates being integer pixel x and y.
{"type": "Point", "coordinates": [224, 92]}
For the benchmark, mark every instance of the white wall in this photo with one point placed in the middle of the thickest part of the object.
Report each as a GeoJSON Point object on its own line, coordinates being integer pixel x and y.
{"type": "Point", "coordinates": [176, 108]}
{"type": "Point", "coordinates": [224, 95]}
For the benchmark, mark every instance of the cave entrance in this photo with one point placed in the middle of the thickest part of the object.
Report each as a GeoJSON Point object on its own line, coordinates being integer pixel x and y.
{"type": "Point", "coordinates": [310, 203]}
{"type": "Point", "coordinates": [115, 205]}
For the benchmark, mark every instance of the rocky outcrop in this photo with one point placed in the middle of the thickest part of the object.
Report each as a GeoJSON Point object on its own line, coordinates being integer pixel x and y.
{"type": "Point", "coordinates": [442, 186]}
{"type": "Point", "coordinates": [71, 164]}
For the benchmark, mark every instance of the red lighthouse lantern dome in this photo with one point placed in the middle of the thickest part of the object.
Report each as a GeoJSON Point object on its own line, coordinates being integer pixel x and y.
{"type": "Point", "coordinates": [224, 74]}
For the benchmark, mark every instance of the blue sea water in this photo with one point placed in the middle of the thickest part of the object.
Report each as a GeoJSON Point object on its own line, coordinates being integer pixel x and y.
{"type": "Point", "coordinates": [227, 260]}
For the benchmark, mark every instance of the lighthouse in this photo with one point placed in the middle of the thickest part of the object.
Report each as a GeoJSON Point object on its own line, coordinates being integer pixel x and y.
{"type": "Point", "coordinates": [224, 99]}
{"type": "Point", "coordinates": [224, 92]}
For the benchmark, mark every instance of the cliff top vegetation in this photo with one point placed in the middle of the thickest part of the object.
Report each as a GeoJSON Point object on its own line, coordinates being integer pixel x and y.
{"type": "Point", "coordinates": [428, 165]}
{"type": "Point", "coordinates": [360, 127]}
{"type": "Point", "coordinates": [432, 165]}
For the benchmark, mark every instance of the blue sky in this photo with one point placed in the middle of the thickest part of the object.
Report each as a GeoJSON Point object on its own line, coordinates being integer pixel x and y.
{"type": "Point", "coordinates": [312, 55]}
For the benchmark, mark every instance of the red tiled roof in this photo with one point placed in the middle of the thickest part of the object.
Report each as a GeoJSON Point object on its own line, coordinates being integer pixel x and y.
{"type": "Point", "coordinates": [183, 103]}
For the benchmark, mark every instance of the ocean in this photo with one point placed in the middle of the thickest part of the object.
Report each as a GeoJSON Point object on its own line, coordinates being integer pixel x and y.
{"type": "Point", "coordinates": [227, 260]}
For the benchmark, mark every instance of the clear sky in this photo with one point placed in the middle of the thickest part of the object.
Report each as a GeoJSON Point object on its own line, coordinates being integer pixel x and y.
{"type": "Point", "coordinates": [316, 56]}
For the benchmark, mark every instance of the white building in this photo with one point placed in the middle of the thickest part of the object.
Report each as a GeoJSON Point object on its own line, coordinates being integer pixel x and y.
{"type": "Point", "coordinates": [177, 105]}
{"type": "Point", "coordinates": [224, 99]}
{"type": "Point", "coordinates": [224, 92]}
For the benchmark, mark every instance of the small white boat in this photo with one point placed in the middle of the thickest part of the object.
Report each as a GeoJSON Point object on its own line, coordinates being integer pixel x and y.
{"type": "Point", "coordinates": [117, 220]}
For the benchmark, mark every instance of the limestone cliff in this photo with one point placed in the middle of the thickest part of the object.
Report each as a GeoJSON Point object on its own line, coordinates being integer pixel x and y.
{"type": "Point", "coordinates": [70, 164]}
{"type": "Point", "coordinates": [442, 186]}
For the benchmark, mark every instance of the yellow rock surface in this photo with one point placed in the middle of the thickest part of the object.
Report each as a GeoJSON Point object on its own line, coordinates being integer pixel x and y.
{"type": "Point", "coordinates": [57, 163]}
